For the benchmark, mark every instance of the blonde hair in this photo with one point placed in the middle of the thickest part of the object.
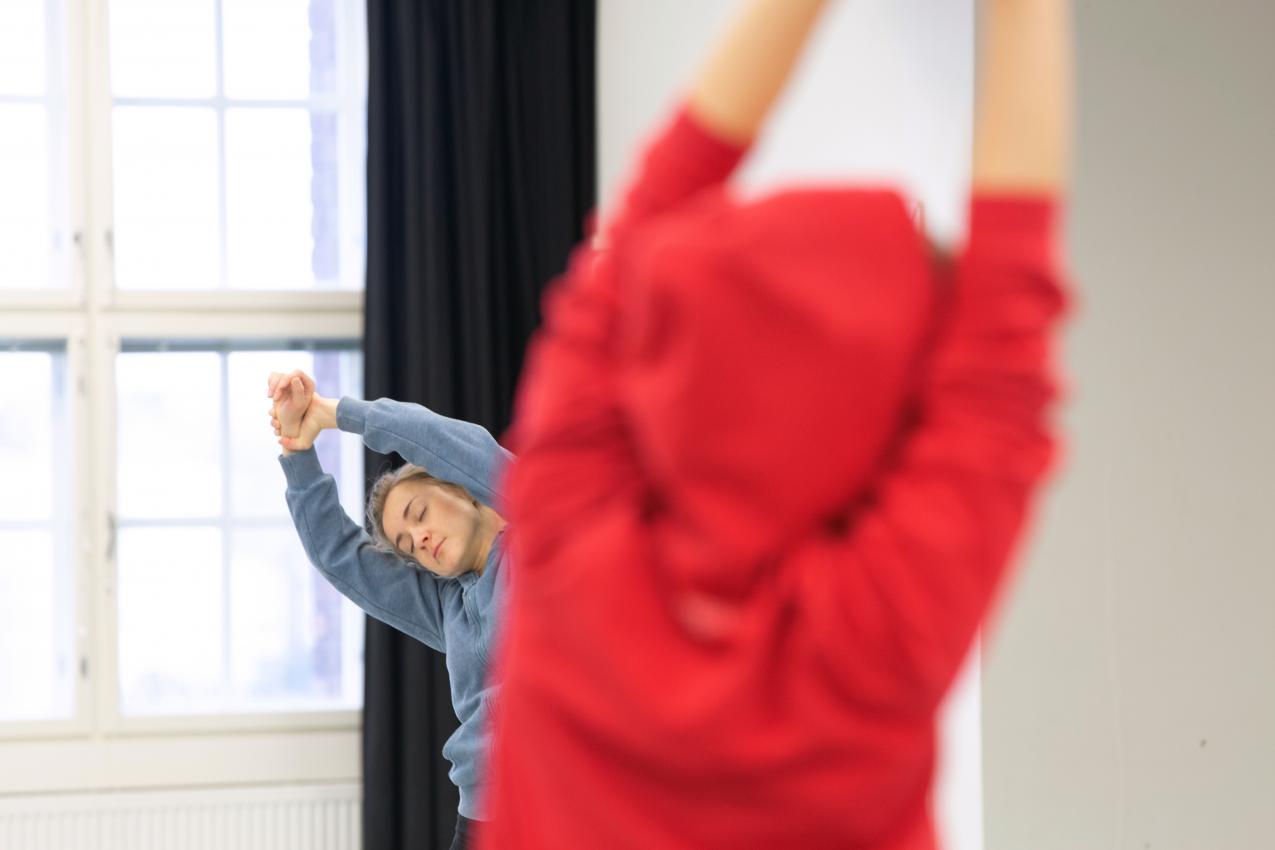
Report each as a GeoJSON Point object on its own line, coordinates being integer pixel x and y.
{"type": "Point", "coordinates": [380, 492]}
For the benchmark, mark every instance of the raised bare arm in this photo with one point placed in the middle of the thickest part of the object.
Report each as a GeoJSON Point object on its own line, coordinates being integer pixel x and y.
{"type": "Point", "coordinates": [748, 67]}
{"type": "Point", "coordinates": [1023, 114]}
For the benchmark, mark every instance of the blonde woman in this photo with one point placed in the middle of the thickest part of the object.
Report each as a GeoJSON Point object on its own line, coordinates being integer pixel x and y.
{"type": "Point", "coordinates": [432, 563]}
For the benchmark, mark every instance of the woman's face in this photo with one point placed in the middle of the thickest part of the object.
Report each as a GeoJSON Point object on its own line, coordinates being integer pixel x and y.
{"type": "Point", "coordinates": [433, 526]}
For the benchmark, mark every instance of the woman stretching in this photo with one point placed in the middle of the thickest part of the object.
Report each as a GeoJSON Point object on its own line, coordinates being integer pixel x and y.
{"type": "Point", "coordinates": [434, 566]}
{"type": "Point", "coordinates": [773, 462]}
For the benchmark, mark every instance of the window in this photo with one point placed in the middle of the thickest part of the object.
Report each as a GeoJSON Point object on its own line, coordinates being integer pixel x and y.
{"type": "Point", "coordinates": [181, 212]}
{"type": "Point", "coordinates": [219, 610]}
{"type": "Point", "coordinates": [237, 142]}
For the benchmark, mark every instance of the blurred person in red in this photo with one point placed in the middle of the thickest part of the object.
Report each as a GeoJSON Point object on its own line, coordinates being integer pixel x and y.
{"type": "Point", "coordinates": [774, 459]}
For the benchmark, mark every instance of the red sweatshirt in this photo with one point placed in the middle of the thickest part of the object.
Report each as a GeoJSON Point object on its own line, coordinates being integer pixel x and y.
{"type": "Point", "coordinates": [772, 463]}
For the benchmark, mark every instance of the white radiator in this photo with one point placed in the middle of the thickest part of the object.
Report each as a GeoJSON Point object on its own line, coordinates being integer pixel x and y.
{"type": "Point", "coordinates": [317, 817]}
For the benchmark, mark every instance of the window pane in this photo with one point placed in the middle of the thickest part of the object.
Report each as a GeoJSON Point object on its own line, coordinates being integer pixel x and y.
{"type": "Point", "coordinates": [25, 231]}
{"type": "Point", "coordinates": [28, 425]}
{"type": "Point", "coordinates": [34, 238]}
{"type": "Point", "coordinates": [37, 664]}
{"type": "Point", "coordinates": [283, 49]}
{"type": "Point", "coordinates": [163, 48]}
{"type": "Point", "coordinates": [167, 231]}
{"type": "Point", "coordinates": [257, 482]}
{"type": "Point", "coordinates": [281, 198]}
{"type": "Point", "coordinates": [213, 192]}
{"type": "Point", "coordinates": [22, 45]}
{"type": "Point", "coordinates": [267, 630]}
{"type": "Point", "coordinates": [171, 619]}
{"type": "Point", "coordinates": [287, 636]}
{"type": "Point", "coordinates": [169, 435]}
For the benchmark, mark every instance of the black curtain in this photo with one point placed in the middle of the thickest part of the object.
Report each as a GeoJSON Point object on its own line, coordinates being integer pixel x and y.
{"type": "Point", "coordinates": [480, 168]}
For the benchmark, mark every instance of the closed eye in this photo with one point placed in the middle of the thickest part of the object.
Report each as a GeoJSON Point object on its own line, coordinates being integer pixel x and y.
{"type": "Point", "coordinates": [412, 550]}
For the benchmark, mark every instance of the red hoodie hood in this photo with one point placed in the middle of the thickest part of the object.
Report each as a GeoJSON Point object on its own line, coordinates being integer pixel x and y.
{"type": "Point", "coordinates": [801, 315]}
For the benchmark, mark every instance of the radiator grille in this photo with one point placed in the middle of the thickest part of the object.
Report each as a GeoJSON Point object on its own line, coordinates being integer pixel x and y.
{"type": "Point", "coordinates": [323, 817]}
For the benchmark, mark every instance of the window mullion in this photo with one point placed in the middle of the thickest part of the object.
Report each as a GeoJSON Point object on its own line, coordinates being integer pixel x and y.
{"type": "Point", "coordinates": [105, 526]}
{"type": "Point", "coordinates": [97, 157]}
{"type": "Point", "coordinates": [92, 181]}
{"type": "Point", "coordinates": [225, 522]}
{"type": "Point", "coordinates": [84, 556]}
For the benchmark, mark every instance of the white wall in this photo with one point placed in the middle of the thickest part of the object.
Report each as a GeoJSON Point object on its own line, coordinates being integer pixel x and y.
{"type": "Point", "coordinates": [1130, 693]}
{"type": "Point", "coordinates": [885, 94]}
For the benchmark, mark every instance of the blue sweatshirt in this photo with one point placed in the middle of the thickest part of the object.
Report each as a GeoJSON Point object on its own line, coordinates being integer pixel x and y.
{"type": "Point", "coordinates": [456, 616]}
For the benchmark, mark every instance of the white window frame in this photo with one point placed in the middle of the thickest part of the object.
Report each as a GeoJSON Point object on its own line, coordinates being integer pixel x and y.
{"type": "Point", "coordinates": [161, 326]}
{"type": "Point", "coordinates": [98, 747]}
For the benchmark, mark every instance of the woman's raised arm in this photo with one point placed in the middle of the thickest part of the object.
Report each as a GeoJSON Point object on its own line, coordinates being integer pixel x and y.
{"type": "Point", "coordinates": [747, 69]}
{"type": "Point", "coordinates": [1023, 113]}
{"type": "Point", "coordinates": [726, 104]}
{"type": "Point", "coordinates": [451, 449]}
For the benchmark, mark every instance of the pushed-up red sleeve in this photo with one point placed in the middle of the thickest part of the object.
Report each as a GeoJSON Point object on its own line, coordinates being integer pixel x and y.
{"type": "Point", "coordinates": [685, 159]}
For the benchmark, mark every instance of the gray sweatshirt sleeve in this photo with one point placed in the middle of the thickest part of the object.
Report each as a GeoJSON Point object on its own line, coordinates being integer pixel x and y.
{"type": "Point", "coordinates": [383, 585]}
{"type": "Point", "coordinates": [450, 449]}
